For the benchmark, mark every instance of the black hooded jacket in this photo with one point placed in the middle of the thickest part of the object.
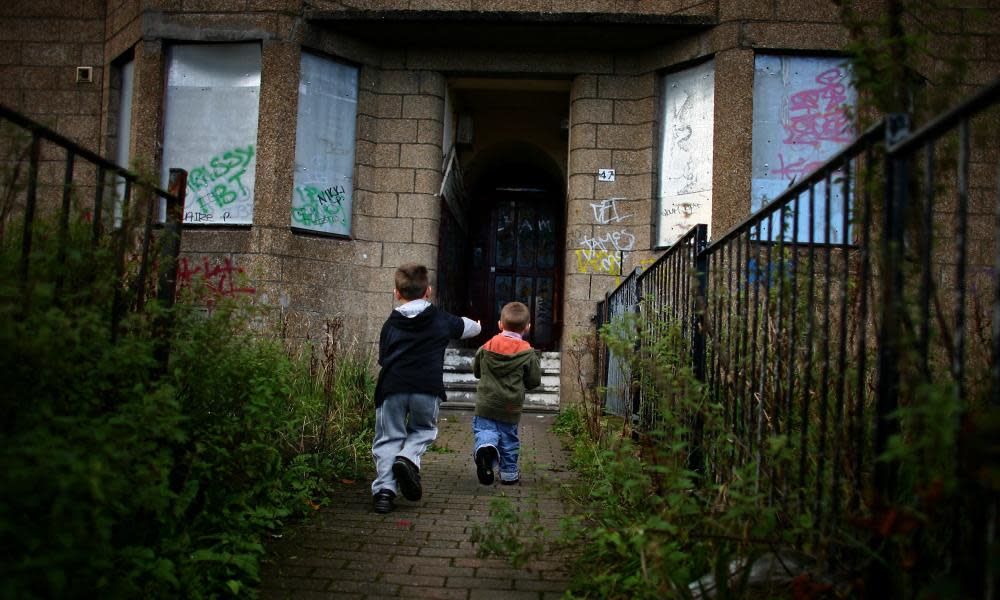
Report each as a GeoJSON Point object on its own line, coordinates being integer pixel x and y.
{"type": "Point", "coordinates": [411, 352]}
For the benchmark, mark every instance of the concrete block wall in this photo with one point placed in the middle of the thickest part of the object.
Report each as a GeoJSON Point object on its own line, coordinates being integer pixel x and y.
{"type": "Point", "coordinates": [396, 216]}
{"type": "Point", "coordinates": [41, 46]}
{"type": "Point", "coordinates": [396, 210]}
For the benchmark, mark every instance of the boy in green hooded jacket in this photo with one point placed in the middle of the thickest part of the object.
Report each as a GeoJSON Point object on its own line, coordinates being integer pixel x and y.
{"type": "Point", "coordinates": [506, 366]}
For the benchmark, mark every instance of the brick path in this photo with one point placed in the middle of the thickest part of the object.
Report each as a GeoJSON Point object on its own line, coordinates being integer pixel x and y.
{"type": "Point", "coordinates": [422, 549]}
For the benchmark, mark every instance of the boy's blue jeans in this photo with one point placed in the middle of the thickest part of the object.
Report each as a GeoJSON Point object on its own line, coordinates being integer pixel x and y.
{"type": "Point", "coordinates": [405, 425]}
{"type": "Point", "coordinates": [503, 437]}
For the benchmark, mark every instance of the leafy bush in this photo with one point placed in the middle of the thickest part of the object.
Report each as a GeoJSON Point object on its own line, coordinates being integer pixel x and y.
{"type": "Point", "coordinates": [121, 482]}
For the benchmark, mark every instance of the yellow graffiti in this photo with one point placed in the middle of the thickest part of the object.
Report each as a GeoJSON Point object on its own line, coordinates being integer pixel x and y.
{"type": "Point", "coordinates": [598, 261]}
{"type": "Point", "coordinates": [601, 262]}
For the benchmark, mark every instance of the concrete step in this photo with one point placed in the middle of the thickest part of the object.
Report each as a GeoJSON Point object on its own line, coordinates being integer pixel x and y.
{"type": "Point", "coordinates": [533, 402]}
{"type": "Point", "coordinates": [460, 359]}
{"type": "Point", "coordinates": [466, 380]}
{"type": "Point", "coordinates": [460, 384]}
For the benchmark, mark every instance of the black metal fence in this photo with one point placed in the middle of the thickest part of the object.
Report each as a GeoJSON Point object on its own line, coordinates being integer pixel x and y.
{"type": "Point", "coordinates": [47, 174]}
{"type": "Point", "coordinates": [860, 306]}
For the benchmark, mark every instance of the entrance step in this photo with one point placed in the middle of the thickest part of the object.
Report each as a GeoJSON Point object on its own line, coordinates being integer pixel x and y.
{"type": "Point", "coordinates": [460, 384]}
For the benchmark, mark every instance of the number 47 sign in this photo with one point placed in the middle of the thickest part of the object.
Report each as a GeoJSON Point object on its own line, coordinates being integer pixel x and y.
{"type": "Point", "coordinates": [605, 174]}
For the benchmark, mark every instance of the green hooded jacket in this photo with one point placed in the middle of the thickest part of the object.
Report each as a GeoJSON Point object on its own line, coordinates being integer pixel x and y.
{"type": "Point", "coordinates": [505, 367]}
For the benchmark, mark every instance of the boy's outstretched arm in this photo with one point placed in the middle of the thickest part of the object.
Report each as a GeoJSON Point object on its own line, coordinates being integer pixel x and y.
{"type": "Point", "coordinates": [472, 328]}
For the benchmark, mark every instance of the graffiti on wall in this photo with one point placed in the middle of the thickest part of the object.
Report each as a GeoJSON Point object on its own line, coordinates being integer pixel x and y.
{"type": "Point", "coordinates": [220, 279]}
{"type": "Point", "coordinates": [211, 105]}
{"type": "Point", "coordinates": [604, 253]}
{"type": "Point", "coordinates": [216, 191]}
{"type": "Point", "coordinates": [606, 212]}
{"type": "Point", "coordinates": [324, 145]}
{"type": "Point", "coordinates": [317, 208]}
{"type": "Point", "coordinates": [613, 241]}
{"type": "Point", "coordinates": [685, 187]}
{"type": "Point", "coordinates": [801, 117]}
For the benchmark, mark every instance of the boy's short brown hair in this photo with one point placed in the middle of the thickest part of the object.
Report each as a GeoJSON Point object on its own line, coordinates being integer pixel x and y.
{"type": "Point", "coordinates": [411, 281]}
{"type": "Point", "coordinates": [515, 317]}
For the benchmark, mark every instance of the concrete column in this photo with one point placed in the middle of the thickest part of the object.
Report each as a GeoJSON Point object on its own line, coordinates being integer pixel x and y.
{"type": "Point", "coordinates": [276, 134]}
{"type": "Point", "coordinates": [732, 144]}
{"type": "Point", "coordinates": [147, 105]}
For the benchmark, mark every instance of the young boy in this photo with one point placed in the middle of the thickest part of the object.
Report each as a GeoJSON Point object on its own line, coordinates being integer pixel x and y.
{"type": "Point", "coordinates": [410, 385]}
{"type": "Point", "coordinates": [506, 366]}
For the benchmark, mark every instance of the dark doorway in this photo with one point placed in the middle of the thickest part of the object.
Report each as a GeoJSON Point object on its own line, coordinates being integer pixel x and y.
{"type": "Point", "coordinates": [516, 255]}
{"type": "Point", "coordinates": [503, 210]}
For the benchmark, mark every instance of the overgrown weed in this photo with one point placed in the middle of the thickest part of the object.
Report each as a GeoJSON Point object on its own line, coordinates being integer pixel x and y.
{"type": "Point", "coordinates": [123, 481]}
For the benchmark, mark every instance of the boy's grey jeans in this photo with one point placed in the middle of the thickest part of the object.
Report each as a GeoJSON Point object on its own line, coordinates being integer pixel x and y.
{"type": "Point", "coordinates": [405, 425]}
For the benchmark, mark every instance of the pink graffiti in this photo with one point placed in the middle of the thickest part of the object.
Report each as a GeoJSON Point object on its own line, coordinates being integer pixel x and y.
{"type": "Point", "coordinates": [820, 113]}
{"type": "Point", "coordinates": [795, 168]}
{"type": "Point", "coordinates": [220, 280]}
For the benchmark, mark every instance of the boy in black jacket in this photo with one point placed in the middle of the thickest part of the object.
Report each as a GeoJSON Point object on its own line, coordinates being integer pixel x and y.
{"type": "Point", "coordinates": [410, 385]}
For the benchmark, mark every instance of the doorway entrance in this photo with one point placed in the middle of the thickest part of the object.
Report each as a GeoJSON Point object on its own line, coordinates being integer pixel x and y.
{"type": "Point", "coordinates": [503, 203]}
{"type": "Point", "coordinates": [516, 257]}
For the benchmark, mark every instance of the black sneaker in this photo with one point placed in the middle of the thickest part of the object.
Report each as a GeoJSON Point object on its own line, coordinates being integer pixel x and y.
{"type": "Point", "coordinates": [383, 501]}
{"type": "Point", "coordinates": [486, 457]}
{"type": "Point", "coordinates": [407, 478]}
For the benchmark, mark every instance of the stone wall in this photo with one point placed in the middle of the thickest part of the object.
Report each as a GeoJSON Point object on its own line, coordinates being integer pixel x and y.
{"type": "Point", "coordinates": [41, 45]}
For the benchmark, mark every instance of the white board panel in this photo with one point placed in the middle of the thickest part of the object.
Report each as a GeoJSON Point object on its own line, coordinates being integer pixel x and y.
{"type": "Point", "coordinates": [123, 135]}
{"type": "Point", "coordinates": [801, 117]}
{"type": "Point", "coordinates": [686, 142]}
{"type": "Point", "coordinates": [324, 145]}
{"type": "Point", "coordinates": [210, 129]}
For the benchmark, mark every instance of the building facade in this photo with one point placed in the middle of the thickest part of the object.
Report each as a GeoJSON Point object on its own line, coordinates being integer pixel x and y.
{"type": "Point", "coordinates": [522, 149]}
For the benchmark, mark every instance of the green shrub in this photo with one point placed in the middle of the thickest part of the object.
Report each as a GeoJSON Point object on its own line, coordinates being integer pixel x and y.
{"type": "Point", "coordinates": [120, 482]}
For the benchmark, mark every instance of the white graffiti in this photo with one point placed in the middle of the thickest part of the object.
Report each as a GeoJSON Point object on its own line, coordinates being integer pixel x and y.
{"type": "Point", "coordinates": [612, 241]}
{"type": "Point", "coordinates": [606, 212]}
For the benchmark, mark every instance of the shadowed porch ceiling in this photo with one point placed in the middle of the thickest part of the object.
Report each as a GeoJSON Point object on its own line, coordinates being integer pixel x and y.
{"type": "Point", "coordinates": [510, 30]}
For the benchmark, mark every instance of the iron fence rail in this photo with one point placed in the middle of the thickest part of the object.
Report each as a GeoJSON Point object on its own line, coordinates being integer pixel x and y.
{"type": "Point", "coordinates": [863, 283]}
{"type": "Point", "coordinates": [101, 211]}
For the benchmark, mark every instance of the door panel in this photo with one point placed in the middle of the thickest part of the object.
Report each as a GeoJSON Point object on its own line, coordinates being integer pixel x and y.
{"type": "Point", "coordinates": [516, 258]}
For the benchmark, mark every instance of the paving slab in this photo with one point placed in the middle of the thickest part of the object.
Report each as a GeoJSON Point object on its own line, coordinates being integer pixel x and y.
{"type": "Point", "coordinates": [423, 549]}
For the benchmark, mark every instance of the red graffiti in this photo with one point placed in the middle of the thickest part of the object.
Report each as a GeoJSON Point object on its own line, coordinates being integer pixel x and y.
{"type": "Point", "coordinates": [819, 114]}
{"type": "Point", "coordinates": [221, 280]}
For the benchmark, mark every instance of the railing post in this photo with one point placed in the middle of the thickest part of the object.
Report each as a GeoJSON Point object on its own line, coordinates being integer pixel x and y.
{"type": "Point", "coordinates": [169, 253]}
{"type": "Point", "coordinates": [29, 222]}
{"type": "Point", "coordinates": [635, 384]}
{"type": "Point", "coordinates": [889, 351]}
{"type": "Point", "coordinates": [696, 456]}
{"type": "Point", "coordinates": [897, 126]}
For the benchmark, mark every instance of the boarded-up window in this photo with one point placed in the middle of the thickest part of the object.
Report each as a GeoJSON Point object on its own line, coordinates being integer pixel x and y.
{"type": "Point", "coordinates": [210, 129]}
{"type": "Point", "coordinates": [120, 124]}
{"type": "Point", "coordinates": [122, 77]}
{"type": "Point", "coordinates": [685, 186]}
{"type": "Point", "coordinates": [801, 118]}
{"type": "Point", "coordinates": [324, 146]}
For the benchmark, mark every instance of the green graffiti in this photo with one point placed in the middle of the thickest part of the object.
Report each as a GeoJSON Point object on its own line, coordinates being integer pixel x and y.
{"type": "Point", "coordinates": [319, 207]}
{"type": "Point", "coordinates": [221, 181]}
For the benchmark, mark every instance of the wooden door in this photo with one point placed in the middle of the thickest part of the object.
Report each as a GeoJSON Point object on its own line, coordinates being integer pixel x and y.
{"type": "Point", "coordinates": [517, 257]}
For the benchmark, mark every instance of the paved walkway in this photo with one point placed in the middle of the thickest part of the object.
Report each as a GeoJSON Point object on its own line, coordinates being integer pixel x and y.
{"type": "Point", "coordinates": [422, 549]}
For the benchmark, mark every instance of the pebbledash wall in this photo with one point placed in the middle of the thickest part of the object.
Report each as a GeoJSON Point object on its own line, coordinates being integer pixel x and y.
{"type": "Point", "coordinates": [702, 109]}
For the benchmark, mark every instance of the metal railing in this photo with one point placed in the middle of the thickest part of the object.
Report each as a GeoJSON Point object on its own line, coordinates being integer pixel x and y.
{"type": "Point", "coordinates": [840, 316]}
{"type": "Point", "coordinates": [58, 174]}
{"type": "Point", "coordinates": [617, 372]}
